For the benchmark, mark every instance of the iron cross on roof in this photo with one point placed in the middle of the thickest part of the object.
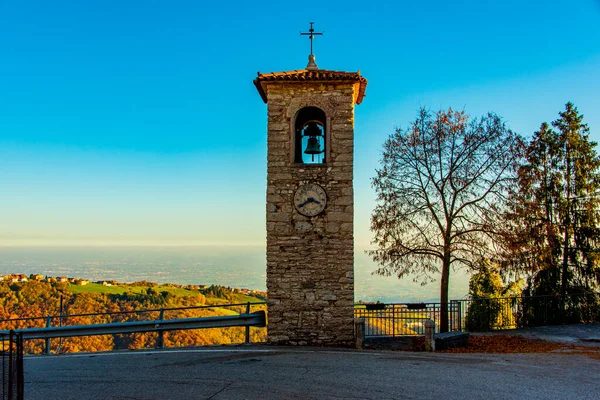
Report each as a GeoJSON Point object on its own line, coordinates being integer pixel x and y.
{"type": "Point", "coordinates": [311, 32]}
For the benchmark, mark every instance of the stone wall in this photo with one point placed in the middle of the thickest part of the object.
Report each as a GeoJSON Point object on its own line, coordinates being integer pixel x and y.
{"type": "Point", "coordinates": [310, 260]}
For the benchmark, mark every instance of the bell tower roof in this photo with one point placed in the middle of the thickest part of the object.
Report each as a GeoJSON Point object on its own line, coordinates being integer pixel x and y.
{"type": "Point", "coordinates": [305, 75]}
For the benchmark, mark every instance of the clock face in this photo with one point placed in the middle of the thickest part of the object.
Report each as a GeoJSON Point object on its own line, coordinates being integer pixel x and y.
{"type": "Point", "coordinates": [310, 199]}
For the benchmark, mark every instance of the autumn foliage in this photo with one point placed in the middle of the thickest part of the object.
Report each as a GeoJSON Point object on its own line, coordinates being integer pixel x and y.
{"type": "Point", "coordinates": [27, 305]}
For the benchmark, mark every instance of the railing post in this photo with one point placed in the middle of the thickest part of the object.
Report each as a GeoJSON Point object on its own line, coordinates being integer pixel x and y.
{"type": "Point", "coordinates": [160, 343]}
{"type": "Point", "coordinates": [48, 325]}
{"type": "Point", "coordinates": [429, 335]}
{"type": "Point", "coordinates": [435, 314]}
{"type": "Point", "coordinates": [359, 329]}
{"type": "Point", "coordinates": [450, 311]}
{"type": "Point", "coordinates": [489, 314]}
{"type": "Point", "coordinates": [393, 320]}
{"type": "Point", "coordinates": [460, 327]}
{"type": "Point", "coordinates": [19, 367]}
{"type": "Point", "coordinates": [10, 366]}
{"type": "Point", "coordinates": [247, 327]}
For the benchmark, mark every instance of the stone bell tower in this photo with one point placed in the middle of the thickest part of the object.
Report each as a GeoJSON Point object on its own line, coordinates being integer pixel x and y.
{"type": "Point", "coordinates": [310, 203]}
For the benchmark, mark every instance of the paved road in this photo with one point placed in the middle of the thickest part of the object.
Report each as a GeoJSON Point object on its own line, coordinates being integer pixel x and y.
{"type": "Point", "coordinates": [263, 372]}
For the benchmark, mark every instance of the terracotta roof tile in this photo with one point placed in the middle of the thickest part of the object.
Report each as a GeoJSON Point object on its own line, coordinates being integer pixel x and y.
{"type": "Point", "coordinates": [311, 75]}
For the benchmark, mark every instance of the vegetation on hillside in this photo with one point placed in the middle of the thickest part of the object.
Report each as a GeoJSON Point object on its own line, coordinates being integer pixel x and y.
{"type": "Point", "coordinates": [32, 301]}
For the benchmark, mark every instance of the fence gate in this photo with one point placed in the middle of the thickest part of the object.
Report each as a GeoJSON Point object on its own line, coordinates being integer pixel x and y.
{"type": "Point", "coordinates": [12, 366]}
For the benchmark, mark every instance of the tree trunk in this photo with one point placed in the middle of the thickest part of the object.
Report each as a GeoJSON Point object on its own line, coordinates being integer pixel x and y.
{"type": "Point", "coordinates": [444, 292]}
{"type": "Point", "coordinates": [565, 265]}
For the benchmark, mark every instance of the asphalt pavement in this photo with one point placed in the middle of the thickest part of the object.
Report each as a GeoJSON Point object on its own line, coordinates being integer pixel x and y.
{"type": "Point", "coordinates": [267, 372]}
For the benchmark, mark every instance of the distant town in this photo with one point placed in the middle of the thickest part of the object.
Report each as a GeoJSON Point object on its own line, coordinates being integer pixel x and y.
{"type": "Point", "coordinates": [13, 278]}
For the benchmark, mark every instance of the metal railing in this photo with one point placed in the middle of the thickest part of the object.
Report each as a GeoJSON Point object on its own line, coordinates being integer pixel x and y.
{"type": "Point", "coordinates": [487, 314]}
{"type": "Point", "coordinates": [479, 314]}
{"type": "Point", "coordinates": [112, 323]}
{"type": "Point", "coordinates": [11, 349]}
{"type": "Point", "coordinates": [404, 319]}
{"type": "Point", "coordinates": [395, 319]}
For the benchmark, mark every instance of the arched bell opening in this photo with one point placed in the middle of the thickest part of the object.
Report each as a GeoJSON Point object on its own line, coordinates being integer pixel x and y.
{"type": "Point", "coordinates": [310, 136]}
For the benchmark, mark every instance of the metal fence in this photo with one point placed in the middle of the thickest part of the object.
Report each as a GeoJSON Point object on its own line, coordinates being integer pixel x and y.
{"type": "Point", "coordinates": [405, 319]}
{"type": "Point", "coordinates": [40, 330]}
{"type": "Point", "coordinates": [479, 314]}
{"type": "Point", "coordinates": [12, 366]}
{"type": "Point", "coordinates": [381, 320]}
{"type": "Point", "coordinates": [487, 314]}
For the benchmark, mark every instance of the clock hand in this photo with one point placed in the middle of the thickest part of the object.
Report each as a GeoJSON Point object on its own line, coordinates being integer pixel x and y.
{"type": "Point", "coordinates": [309, 200]}
{"type": "Point", "coordinates": [305, 203]}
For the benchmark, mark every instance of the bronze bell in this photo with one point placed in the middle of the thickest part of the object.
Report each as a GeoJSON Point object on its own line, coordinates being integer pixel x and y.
{"type": "Point", "coordinates": [313, 147]}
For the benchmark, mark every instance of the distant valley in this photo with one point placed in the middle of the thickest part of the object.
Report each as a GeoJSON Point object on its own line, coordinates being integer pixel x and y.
{"type": "Point", "coordinates": [239, 267]}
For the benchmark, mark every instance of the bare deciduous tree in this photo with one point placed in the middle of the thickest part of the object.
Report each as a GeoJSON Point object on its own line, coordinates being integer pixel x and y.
{"type": "Point", "coordinates": [441, 187]}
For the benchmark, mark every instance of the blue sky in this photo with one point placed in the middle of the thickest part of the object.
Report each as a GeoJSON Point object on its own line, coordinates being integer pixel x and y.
{"type": "Point", "coordinates": [136, 122]}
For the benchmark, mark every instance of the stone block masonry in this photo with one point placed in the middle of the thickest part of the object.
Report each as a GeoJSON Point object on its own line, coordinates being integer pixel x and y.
{"type": "Point", "coordinates": [310, 260]}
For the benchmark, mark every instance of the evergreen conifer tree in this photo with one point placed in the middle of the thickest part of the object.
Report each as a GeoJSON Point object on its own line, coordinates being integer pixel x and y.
{"type": "Point", "coordinates": [554, 221]}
